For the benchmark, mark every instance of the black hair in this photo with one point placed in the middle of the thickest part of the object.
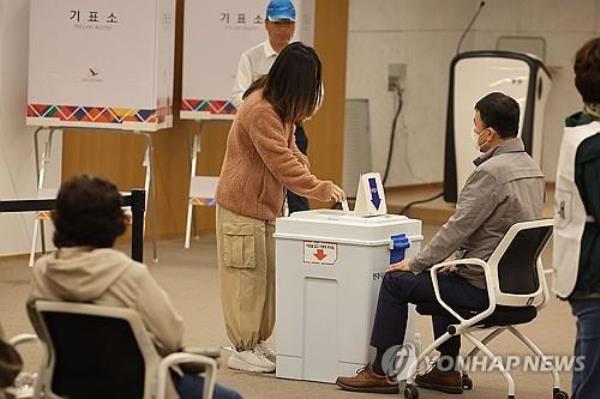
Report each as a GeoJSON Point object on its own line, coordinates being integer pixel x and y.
{"type": "Point", "coordinates": [500, 112]}
{"type": "Point", "coordinates": [293, 84]}
{"type": "Point", "coordinates": [87, 212]}
{"type": "Point", "coordinates": [587, 71]}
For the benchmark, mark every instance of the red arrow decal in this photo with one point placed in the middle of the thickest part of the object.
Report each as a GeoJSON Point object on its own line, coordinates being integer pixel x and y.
{"type": "Point", "coordinates": [320, 254]}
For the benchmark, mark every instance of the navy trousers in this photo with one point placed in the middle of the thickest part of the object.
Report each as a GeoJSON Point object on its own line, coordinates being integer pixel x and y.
{"type": "Point", "coordinates": [587, 348]}
{"type": "Point", "coordinates": [398, 289]}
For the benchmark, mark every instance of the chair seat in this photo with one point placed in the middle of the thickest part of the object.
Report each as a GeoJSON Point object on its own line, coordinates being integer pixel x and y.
{"type": "Point", "coordinates": [502, 316]}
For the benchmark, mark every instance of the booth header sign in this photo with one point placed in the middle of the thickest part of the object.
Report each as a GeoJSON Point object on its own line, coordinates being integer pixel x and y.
{"type": "Point", "coordinates": [101, 63]}
{"type": "Point", "coordinates": [216, 33]}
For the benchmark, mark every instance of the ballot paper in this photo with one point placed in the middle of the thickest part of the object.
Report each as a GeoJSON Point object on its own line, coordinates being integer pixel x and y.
{"type": "Point", "coordinates": [345, 206]}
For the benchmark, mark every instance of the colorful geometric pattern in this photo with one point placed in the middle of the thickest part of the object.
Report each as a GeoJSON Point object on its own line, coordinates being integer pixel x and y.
{"type": "Point", "coordinates": [197, 201]}
{"type": "Point", "coordinates": [76, 113]}
{"type": "Point", "coordinates": [217, 107]}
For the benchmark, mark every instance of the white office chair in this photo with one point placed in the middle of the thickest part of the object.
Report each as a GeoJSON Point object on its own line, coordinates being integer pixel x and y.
{"type": "Point", "coordinates": [104, 352]}
{"type": "Point", "coordinates": [517, 289]}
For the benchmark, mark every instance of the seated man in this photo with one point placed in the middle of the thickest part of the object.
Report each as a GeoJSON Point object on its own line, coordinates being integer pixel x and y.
{"type": "Point", "coordinates": [88, 219]}
{"type": "Point", "coordinates": [505, 188]}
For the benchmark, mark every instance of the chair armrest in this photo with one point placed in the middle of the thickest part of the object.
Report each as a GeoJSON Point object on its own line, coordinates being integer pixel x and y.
{"type": "Point", "coordinates": [175, 359]}
{"type": "Point", "coordinates": [214, 353]}
{"type": "Point", "coordinates": [23, 339]}
{"type": "Point", "coordinates": [488, 282]}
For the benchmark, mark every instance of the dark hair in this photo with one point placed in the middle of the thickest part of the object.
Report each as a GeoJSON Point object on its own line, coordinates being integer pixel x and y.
{"type": "Point", "coordinates": [88, 213]}
{"type": "Point", "coordinates": [587, 71]}
{"type": "Point", "coordinates": [293, 84]}
{"type": "Point", "coordinates": [500, 112]}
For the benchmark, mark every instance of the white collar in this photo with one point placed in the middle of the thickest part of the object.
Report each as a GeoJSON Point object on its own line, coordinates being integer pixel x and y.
{"type": "Point", "coordinates": [269, 52]}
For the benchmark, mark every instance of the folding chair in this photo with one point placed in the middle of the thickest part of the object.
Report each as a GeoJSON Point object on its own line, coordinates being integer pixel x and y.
{"type": "Point", "coordinates": [202, 193]}
{"type": "Point", "coordinates": [38, 224]}
{"type": "Point", "coordinates": [104, 352]}
{"type": "Point", "coordinates": [517, 289]}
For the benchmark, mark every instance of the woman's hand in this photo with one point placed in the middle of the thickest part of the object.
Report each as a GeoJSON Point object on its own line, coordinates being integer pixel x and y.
{"type": "Point", "coordinates": [337, 194]}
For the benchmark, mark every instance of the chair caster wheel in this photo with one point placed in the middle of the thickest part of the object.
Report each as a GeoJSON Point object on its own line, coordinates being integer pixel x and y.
{"type": "Point", "coordinates": [467, 382]}
{"type": "Point", "coordinates": [411, 392]}
{"type": "Point", "coordinates": [557, 394]}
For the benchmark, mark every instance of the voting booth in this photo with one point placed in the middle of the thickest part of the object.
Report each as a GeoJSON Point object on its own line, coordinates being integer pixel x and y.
{"type": "Point", "coordinates": [330, 264]}
{"type": "Point", "coordinates": [101, 63]}
{"type": "Point", "coordinates": [216, 33]}
{"type": "Point", "coordinates": [475, 74]}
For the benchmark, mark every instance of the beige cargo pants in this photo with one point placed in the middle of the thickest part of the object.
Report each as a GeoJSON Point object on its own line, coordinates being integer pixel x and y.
{"type": "Point", "coordinates": [246, 256]}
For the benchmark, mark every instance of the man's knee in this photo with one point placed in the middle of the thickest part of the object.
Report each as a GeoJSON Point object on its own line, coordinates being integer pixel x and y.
{"type": "Point", "coordinates": [398, 282]}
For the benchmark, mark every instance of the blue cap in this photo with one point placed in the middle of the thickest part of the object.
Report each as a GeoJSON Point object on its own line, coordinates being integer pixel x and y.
{"type": "Point", "coordinates": [279, 10]}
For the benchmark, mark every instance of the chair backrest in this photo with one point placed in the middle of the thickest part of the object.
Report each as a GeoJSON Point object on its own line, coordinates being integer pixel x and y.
{"type": "Point", "coordinates": [95, 352]}
{"type": "Point", "coordinates": [516, 264]}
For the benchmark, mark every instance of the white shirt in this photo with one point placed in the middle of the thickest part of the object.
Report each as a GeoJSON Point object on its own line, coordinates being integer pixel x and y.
{"type": "Point", "coordinates": [254, 63]}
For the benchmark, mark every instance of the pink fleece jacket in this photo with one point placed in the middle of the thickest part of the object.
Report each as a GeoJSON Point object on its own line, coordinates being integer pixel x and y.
{"type": "Point", "coordinates": [262, 161]}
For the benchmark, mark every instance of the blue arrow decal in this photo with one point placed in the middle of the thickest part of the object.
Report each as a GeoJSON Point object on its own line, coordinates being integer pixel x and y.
{"type": "Point", "coordinates": [374, 193]}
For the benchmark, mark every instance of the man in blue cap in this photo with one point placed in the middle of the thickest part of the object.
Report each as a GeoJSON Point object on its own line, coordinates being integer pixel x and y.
{"type": "Point", "coordinates": [280, 24]}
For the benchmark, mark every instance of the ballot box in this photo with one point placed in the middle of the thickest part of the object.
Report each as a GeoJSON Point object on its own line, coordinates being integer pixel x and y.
{"type": "Point", "coordinates": [330, 265]}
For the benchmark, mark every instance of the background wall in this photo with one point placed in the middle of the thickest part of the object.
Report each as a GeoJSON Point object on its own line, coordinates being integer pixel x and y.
{"type": "Point", "coordinates": [17, 164]}
{"type": "Point", "coordinates": [119, 156]}
{"type": "Point", "coordinates": [423, 35]}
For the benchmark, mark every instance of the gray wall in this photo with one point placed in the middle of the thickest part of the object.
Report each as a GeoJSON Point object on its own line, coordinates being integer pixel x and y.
{"type": "Point", "coordinates": [423, 34]}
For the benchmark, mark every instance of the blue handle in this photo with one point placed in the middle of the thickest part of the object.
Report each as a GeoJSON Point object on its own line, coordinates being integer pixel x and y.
{"type": "Point", "coordinates": [401, 244]}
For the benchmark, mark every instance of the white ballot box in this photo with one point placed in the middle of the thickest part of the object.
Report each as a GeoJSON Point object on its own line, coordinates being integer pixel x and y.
{"type": "Point", "coordinates": [330, 265]}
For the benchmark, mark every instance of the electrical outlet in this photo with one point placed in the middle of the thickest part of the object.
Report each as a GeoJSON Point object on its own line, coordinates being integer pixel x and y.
{"type": "Point", "coordinates": [396, 76]}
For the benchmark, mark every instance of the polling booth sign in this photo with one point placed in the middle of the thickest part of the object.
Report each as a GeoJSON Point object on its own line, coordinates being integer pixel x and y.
{"type": "Point", "coordinates": [101, 63]}
{"type": "Point", "coordinates": [216, 33]}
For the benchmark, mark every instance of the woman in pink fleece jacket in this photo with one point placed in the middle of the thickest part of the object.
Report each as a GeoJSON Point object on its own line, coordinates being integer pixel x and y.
{"type": "Point", "coordinates": [261, 163]}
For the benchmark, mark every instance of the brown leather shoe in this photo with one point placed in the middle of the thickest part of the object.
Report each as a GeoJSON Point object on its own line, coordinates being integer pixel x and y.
{"type": "Point", "coordinates": [366, 380]}
{"type": "Point", "coordinates": [444, 381]}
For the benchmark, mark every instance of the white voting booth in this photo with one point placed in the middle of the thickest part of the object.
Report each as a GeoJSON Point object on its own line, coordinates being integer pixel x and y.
{"type": "Point", "coordinates": [216, 33]}
{"type": "Point", "coordinates": [101, 64]}
{"type": "Point", "coordinates": [330, 265]}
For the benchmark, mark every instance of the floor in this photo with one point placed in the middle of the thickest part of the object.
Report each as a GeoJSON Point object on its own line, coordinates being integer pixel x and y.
{"type": "Point", "coordinates": [190, 278]}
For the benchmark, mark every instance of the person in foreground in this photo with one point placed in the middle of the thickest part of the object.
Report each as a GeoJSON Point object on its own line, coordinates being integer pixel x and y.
{"type": "Point", "coordinates": [88, 219]}
{"type": "Point", "coordinates": [505, 188]}
{"type": "Point", "coordinates": [261, 163]}
{"type": "Point", "coordinates": [577, 220]}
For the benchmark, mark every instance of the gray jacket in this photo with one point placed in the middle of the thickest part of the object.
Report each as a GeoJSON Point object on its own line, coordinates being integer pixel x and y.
{"type": "Point", "coordinates": [506, 187]}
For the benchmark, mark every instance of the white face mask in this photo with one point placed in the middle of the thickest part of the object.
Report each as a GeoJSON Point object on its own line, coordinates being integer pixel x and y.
{"type": "Point", "coordinates": [476, 139]}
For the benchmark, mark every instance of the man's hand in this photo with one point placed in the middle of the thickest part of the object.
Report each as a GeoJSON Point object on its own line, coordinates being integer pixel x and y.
{"type": "Point", "coordinates": [399, 267]}
{"type": "Point", "coordinates": [447, 269]}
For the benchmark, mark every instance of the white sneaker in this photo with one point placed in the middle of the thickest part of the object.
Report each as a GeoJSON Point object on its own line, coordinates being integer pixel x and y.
{"type": "Point", "coordinates": [265, 350]}
{"type": "Point", "coordinates": [253, 361]}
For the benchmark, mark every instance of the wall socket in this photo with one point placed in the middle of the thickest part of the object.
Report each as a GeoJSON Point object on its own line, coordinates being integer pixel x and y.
{"type": "Point", "coordinates": [396, 76]}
